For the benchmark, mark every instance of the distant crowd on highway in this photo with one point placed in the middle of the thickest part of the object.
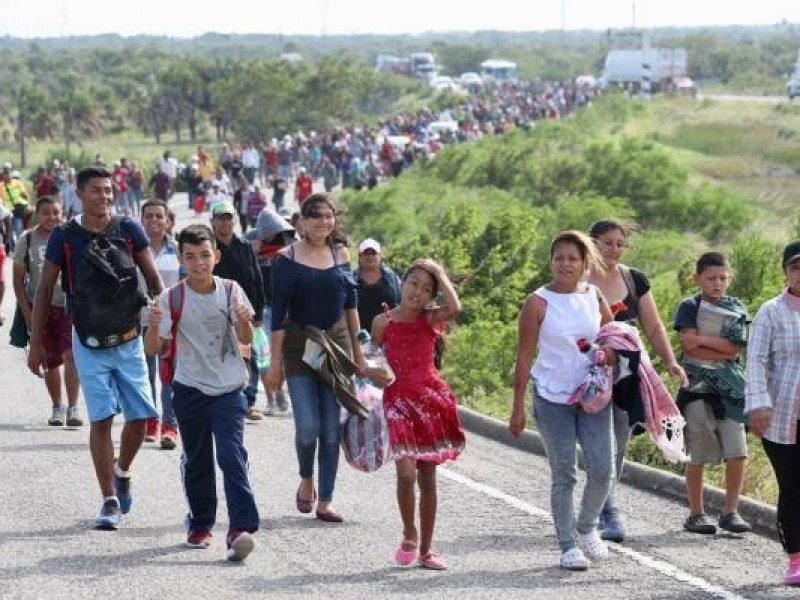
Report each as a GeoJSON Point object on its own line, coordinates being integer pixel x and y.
{"type": "Point", "coordinates": [175, 330]}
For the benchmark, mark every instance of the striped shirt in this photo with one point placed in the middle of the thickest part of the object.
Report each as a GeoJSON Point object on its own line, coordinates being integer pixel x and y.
{"type": "Point", "coordinates": [773, 368]}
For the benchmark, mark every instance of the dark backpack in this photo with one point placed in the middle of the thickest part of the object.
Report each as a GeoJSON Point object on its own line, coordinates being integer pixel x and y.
{"type": "Point", "coordinates": [104, 286]}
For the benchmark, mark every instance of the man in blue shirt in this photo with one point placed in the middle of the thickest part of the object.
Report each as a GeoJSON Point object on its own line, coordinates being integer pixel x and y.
{"type": "Point", "coordinates": [114, 379]}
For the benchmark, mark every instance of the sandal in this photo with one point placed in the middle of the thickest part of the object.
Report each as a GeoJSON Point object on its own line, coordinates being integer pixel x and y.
{"type": "Point", "coordinates": [432, 561]}
{"type": "Point", "coordinates": [406, 553]}
{"type": "Point", "coordinates": [329, 516]}
{"type": "Point", "coordinates": [305, 506]}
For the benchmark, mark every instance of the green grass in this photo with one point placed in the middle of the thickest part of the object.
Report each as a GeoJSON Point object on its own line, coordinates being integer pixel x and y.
{"type": "Point", "coordinates": [131, 144]}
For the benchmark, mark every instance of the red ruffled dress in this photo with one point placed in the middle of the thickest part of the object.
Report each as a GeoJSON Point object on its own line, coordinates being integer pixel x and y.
{"type": "Point", "coordinates": [420, 408]}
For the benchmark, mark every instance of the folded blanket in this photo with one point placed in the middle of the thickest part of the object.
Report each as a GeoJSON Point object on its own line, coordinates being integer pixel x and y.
{"type": "Point", "coordinates": [663, 420]}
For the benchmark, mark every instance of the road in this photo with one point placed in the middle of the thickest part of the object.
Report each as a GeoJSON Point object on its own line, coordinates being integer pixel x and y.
{"type": "Point", "coordinates": [493, 528]}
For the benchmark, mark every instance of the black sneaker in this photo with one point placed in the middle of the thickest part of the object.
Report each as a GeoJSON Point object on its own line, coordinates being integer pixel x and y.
{"type": "Point", "coordinates": [700, 524]}
{"type": "Point", "coordinates": [734, 523]}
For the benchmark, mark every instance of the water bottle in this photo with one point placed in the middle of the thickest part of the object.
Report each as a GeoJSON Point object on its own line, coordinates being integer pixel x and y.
{"type": "Point", "coordinates": [374, 355]}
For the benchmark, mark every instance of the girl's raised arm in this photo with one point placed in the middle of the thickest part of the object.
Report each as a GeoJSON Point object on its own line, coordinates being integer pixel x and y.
{"type": "Point", "coordinates": [452, 305]}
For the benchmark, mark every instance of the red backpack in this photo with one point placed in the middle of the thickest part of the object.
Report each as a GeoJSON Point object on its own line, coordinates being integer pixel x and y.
{"type": "Point", "coordinates": [177, 296]}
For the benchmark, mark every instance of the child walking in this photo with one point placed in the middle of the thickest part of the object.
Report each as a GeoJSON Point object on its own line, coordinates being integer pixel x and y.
{"type": "Point", "coordinates": [712, 332]}
{"type": "Point", "coordinates": [421, 410]}
{"type": "Point", "coordinates": [57, 338]}
{"type": "Point", "coordinates": [212, 317]}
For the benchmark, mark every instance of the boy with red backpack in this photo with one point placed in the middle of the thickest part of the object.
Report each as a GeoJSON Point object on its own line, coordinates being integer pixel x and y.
{"type": "Point", "coordinates": [203, 320]}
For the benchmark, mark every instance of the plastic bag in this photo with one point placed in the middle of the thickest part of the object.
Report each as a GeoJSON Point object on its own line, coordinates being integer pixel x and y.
{"type": "Point", "coordinates": [261, 350]}
{"type": "Point", "coordinates": [365, 442]}
{"type": "Point", "coordinates": [594, 394]}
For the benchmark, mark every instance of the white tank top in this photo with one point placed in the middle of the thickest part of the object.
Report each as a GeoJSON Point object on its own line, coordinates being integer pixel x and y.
{"type": "Point", "coordinates": [560, 367]}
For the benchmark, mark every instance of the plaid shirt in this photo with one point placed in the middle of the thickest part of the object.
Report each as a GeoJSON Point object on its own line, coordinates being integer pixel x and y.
{"type": "Point", "coordinates": [773, 368]}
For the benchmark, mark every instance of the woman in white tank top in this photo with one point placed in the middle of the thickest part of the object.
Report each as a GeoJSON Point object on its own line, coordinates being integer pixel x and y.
{"type": "Point", "coordinates": [553, 319]}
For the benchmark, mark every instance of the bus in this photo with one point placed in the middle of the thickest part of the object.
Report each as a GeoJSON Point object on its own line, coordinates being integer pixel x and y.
{"type": "Point", "coordinates": [499, 70]}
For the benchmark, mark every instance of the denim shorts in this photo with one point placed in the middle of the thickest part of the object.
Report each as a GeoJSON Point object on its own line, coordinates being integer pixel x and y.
{"type": "Point", "coordinates": [114, 380]}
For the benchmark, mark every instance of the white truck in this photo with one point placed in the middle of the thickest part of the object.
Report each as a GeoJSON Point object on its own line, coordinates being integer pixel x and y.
{"type": "Point", "coordinates": [423, 66]}
{"type": "Point", "coordinates": [628, 66]}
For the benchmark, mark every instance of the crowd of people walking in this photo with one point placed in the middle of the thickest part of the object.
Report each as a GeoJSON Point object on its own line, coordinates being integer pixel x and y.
{"type": "Point", "coordinates": [175, 331]}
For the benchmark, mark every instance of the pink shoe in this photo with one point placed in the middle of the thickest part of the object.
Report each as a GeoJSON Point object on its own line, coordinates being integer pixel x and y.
{"type": "Point", "coordinates": [792, 576]}
{"type": "Point", "coordinates": [432, 561]}
{"type": "Point", "coordinates": [406, 553]}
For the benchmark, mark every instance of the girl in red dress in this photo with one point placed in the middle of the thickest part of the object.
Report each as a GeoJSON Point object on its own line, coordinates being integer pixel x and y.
{"type": "Point", "coordinates": [421, 410]}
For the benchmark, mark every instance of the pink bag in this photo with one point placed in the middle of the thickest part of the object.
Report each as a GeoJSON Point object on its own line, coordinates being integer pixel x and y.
{"type": "Point", "coordinates": [594, 393]}
{"type": "Point", "coordinates": [365, 442]}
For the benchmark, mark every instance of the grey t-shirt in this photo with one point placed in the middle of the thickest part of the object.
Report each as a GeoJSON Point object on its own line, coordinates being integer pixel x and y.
{"type": "Point", "coordinates": [38, 245]}
{"type": "Point", "coordinates": [208, 356]}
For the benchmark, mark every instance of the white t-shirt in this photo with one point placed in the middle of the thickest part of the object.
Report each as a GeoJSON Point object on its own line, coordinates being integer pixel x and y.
{"type": "Point", "coordinates": [208, 357]}
{"type": "Point", "coordinates": [214, 199]}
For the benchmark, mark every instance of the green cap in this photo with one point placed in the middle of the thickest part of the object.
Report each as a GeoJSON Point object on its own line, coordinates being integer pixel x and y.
{"type": "Point", "coordinates": [223, 208]}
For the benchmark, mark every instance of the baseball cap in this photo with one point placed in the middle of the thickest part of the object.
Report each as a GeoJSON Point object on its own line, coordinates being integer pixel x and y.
{"type": "Point", "coordinates": [268, 224]}
{"type": "Point", "coordinates": [369, 244]}
{"type": "Point", "coordinates": [791, 253]}
{"type": "Point", "coordinates": [223, 208]}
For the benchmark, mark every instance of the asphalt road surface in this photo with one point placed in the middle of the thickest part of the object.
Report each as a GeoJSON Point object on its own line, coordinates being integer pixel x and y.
{"type": "Point", "coordinates": [493, 528]}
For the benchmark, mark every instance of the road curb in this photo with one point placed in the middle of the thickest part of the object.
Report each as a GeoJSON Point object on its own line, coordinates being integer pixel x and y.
{"type": "Point", "coordinates": [761, 516]}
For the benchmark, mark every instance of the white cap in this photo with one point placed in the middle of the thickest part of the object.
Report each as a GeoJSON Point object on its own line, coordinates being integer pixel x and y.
{"type": "Point", "coordinates": [369, 244]}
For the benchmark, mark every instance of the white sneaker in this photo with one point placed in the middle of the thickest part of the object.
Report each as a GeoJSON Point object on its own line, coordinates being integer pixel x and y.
{"type": "Point", "coordinates": [58, 417]}
{"type": "Point", "coordinates": [574, 560]}
{"type": "Point", "coordinates": [240, 545]}
{"type": "Point", "coordinates": [593, 545]}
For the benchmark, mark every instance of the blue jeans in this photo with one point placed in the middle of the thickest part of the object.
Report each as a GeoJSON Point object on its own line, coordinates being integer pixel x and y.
{"type": "Point", "coordinates": [206, 423]}
{"type": "Point", "coordinates": [167, 412]}
{"type": "Point", "coordinates": [622, 433]}
{"type": "Point", "coordinates": [561, 427]}
{"type": "Point", "coordinates": [316, 417]}
{"type": "Point", "coordinates": [251, 391]}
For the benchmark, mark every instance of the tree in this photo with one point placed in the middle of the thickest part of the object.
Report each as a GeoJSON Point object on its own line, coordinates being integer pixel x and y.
{"type": "Point", "coordinates": [75, 107]}
{"type": "Point", "coordinates": [33, 115]}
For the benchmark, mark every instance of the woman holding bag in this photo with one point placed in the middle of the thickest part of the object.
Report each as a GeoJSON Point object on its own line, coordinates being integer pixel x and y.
{"type": "Point", "coordinates": [312, 284]}
{"type": "Point", "coordinates": [559, 318]}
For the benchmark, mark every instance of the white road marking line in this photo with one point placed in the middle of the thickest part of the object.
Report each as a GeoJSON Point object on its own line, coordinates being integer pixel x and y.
{"type": "Point", "coordinates": [654, 564]}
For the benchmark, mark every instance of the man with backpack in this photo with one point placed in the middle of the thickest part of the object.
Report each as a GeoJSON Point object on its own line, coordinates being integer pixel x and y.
{"type": "Point", "coordinates": [99, 257]}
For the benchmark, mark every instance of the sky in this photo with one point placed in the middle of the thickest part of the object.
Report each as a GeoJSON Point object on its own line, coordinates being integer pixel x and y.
{"type": "Point", "coordinates": [187, 18]}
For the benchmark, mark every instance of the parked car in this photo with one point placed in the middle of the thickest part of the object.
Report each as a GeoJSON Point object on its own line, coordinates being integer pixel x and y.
{"type": "Point", "coordinates": [444, 83]}
{"type": "Point", "coordinates": [470, 81]}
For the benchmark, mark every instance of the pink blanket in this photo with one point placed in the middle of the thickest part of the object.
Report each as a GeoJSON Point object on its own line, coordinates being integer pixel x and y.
{"type": "Point", "coordinates": [663, 420]}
